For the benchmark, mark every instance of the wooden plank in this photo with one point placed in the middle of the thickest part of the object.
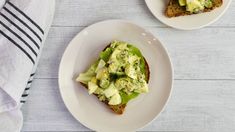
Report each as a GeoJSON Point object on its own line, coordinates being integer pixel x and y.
{"type": "Point", "coordinates": [86, 12]}
{"type": "Point", "coordinates": [201, 54]}
{"type": "Point", "coordinates": [195, 105]}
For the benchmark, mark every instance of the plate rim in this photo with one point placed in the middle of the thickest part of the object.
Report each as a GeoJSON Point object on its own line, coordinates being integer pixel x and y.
{"type": "Point", "coordinates": [192, 28]}
{"type": "Point", "coordinates": [123, 21]}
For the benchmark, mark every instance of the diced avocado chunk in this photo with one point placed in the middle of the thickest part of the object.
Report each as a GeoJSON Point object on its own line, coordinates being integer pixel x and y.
{"type": "Point", "coordinates": [182, 2]}
{"type": "Point", "coordinates": [101, 64]}
{"type": "Point", "coordinates": [122, 46]}
{"type": "Point", "coordinates": [88, 75]}
{"type": "Point", "coordinates": [94, 80]}
{"type": "Point", "coordinates": [133, 59]}
{"type": "Point", "coordinates": [113, 68]}
{"type": "Point", "coordinates": [115, 99]}
{"type": "Point", "coordinates": [143, 87]}
{"type": "Point", "coordinates": [103, 77]}
{"type": "Point", "coordinates": [113, 57]}
{"type": "Point", "coordinates": [104, 83]}
{"type": "Point", "coordinates": [99, 91]}
{"type": "Point", "coordinates": [116, 43]}
{"type": "Point", "coordinates": [194, 6]}
{"type": "Point", "coordinates": [116, 68]}
{"type": "Point", "coordinates": [208, 3]}
{"type": "Point", "coordinates": [92, 87]}
{"type": "Point", "coordinates": [106, 54]}
{"type": "Point", "coordinates": [124, 83]}
{"type": "Point", "coordinates": [110, 91]}
{"type": "Point", "coordinates": [84, 78]}
{"type": "Point", "coordinates": [101, 97]}
{"type": "Point", "coordinates": [102, 73]}
{"type": "Point", "coordinates": [131, 72]}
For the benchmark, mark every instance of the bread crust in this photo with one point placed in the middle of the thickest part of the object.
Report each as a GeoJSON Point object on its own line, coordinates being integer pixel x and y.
{"type": "Point", "coordinates": [174, 9]}
{"type": "Point", "coordinates": [119, 109]}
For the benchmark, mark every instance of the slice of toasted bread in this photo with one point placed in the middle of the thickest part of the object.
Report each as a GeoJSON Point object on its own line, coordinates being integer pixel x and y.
{"type": "Point", "coordinates": [119, 109]}
{"type": "Point", "coordinates": [174, 9]}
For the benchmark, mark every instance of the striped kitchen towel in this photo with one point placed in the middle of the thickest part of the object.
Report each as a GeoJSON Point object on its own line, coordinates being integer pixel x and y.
{"type": "Point", "coordinates": [24, 25]}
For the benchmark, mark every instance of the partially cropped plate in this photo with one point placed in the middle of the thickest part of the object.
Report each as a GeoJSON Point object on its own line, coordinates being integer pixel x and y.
{"type": "Point", "coordinates": [84, 49]}
{"type": "Point", "coordinates": [158, 7]}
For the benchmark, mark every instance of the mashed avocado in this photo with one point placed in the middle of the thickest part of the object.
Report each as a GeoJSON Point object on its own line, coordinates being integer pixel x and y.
{"type": "Point", "coordinates": [195, 6]}
{"type": "Point", "coordinates": [119, 74]}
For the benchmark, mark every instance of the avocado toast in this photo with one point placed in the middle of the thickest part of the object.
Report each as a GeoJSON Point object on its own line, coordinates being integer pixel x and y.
{"type": "Point", "coordinates": [120, 74]}
{"type": "Point", "coordinates": [188, 7]}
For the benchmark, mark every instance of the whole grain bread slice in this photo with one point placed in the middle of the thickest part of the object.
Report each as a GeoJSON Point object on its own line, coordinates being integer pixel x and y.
{"type": "Point", "coordinates": [174, 9]}
{"type": "Point", "coordinates": [119, 109]}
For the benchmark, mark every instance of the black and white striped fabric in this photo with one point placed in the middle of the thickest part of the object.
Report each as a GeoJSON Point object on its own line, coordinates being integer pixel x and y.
{"type": "Point", "coordinates": [24, 25]}
{"type": "Point", "coordinates": [23, 33]}
{"type": "Point", "coordinates": [26, 90]}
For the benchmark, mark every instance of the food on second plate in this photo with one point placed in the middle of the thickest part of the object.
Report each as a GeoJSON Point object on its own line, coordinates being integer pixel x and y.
{"type": "Point", "coordinates": [120, 74]}
{"type": "Point", "coordinates": [187, 7]}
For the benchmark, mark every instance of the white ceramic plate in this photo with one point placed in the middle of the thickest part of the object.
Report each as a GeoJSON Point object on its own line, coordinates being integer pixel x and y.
{"type": "Point", "coordinates": [84, 49]}
{"type": "Point", "coordinates": [157, 7]}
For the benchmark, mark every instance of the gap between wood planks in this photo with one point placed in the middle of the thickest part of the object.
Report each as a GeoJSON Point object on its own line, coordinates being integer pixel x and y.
{"type": "Point", "coordinates": [165, 26]}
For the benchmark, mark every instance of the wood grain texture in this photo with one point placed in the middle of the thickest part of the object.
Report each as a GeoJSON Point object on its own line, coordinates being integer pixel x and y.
{"type": "Point", "coordinates": [204, 63]}
{"type": "Point", "coordinates": [86, 12]}
{"type": "Point", "coordinates": [195, 105]}
{"type": "Point", "coordinates": [201, 54]}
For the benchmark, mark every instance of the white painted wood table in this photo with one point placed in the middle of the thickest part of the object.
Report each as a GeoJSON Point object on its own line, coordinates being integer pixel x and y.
{"type": "Point", "coordinates": [203, 97]}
